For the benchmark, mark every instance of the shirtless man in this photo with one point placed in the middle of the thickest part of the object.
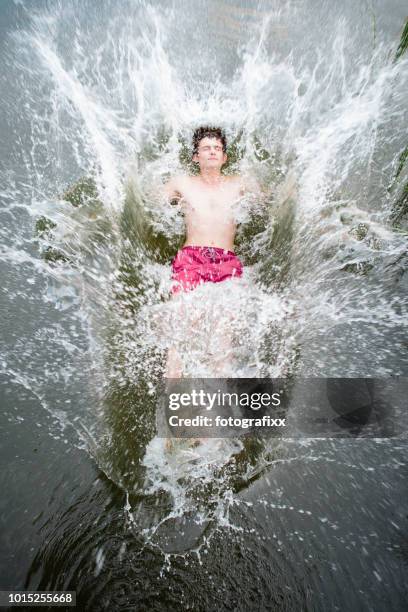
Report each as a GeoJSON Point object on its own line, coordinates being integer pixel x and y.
{"type": "Point", "coordinates": [207, 201]}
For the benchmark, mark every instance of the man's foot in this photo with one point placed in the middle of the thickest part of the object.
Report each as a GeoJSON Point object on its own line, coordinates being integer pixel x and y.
{"type": "Point", "coordinates": [170, 443]}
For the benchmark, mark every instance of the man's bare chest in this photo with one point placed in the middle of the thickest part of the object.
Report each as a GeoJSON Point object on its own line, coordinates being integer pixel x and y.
{"type": "Point", "coordinates": [220, 200]}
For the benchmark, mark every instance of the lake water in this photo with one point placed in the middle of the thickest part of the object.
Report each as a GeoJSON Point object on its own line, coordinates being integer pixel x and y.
{"type": "Point", "coordinates": [99, 102]}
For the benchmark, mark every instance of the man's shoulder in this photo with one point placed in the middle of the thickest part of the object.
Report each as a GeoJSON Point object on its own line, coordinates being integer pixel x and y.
{"type": "Point", "coordinates": [231, 179]}
{"type": "Point", "coordinates": [174, 185]}
{"type": "Point", "coordinates": [180, 180]}
{"type": "Point", "coordinates": [236, 181]}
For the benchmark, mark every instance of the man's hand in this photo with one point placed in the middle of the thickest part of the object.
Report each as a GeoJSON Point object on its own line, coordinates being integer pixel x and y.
{"type": "Point", "coordinates": [171, 191]}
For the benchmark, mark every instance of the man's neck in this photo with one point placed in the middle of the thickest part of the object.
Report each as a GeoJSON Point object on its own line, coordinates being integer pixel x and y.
{"type": "Point", "coordinates": [211, 177]}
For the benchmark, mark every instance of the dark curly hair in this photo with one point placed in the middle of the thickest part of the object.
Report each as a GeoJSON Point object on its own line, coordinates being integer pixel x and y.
{"type": "Point", "coordinates": [208, 132]}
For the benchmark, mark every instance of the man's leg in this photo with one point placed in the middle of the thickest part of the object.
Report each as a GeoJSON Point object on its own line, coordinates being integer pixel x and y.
{"type": "Point", "coordinates": [222, 346]}
{"type": "Point", "coordinates": [174, 364]}
{"type": "Point", "coordinates": [188, 335]}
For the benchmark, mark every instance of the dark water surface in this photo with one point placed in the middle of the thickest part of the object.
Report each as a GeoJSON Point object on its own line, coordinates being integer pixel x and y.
{"type": "Point", "coordinates": [325, 527]}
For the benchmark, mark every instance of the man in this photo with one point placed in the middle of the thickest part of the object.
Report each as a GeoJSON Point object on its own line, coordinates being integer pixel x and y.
{"type": "Point", "coordinates": [207, 201]}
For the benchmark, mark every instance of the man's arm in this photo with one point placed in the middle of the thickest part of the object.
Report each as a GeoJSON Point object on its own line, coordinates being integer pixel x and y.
{"type": "Point", "coordinates": [285, 191]}
{"type": "Point", "coordinates": [250, 185]}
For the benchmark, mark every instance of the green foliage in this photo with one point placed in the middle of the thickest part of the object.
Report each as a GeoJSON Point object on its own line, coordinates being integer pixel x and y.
{"type": "Point", "coordinates": [359, 232]}
{"type": "Point", "coordinates": [361, 267]}
{"type": "Point", "coordinates": [401, 162]}
{"type": "Point", "coordinates": [400, 205]}
{"type": "Point", "coordinates": [260, 152]}
{"type": "Point", "coordinates": [154, 147]}
{"type": "Point", "coordinates": [139, 229]}
{"type": "Point", "coordinates": [43, 227]}
{"type": "Point", "coordinates": [52, 255]}
{"type": "Point", "coordinates": [82, 192]}
{"type": "Point", "coordinates": [400, 208]}
{"type": "Point", "coordinates": [403, 44]}
{"type": "Point", "coordinates": [43, 231]}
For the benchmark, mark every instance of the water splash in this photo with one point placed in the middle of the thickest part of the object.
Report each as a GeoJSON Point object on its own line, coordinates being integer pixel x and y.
{"type": "Point", "coordinates": [110, 100]}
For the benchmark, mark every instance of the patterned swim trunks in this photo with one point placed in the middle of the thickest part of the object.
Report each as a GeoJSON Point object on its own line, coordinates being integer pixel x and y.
{"type": "Point", "coordinates": [194, 265]}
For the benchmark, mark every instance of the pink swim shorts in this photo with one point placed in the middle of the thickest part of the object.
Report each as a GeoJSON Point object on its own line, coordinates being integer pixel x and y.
{"type": "Point", "coordinates": [194, 265]}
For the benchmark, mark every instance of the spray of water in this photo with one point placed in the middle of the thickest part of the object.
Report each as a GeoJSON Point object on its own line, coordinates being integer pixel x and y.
{"type": "Point", "coordinates": [100, 112]}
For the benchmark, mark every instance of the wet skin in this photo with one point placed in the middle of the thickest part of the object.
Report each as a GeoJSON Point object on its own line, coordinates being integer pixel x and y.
{"type": "Point", "coordinates": [208, 199]}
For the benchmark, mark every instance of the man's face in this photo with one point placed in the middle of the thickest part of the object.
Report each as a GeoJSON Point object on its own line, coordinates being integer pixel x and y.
{"type": "Point", "coordinates": [210, 154]}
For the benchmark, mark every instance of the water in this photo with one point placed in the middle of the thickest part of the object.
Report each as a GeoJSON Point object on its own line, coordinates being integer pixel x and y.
{"type": "Point", "coordinates": [98, 108]}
